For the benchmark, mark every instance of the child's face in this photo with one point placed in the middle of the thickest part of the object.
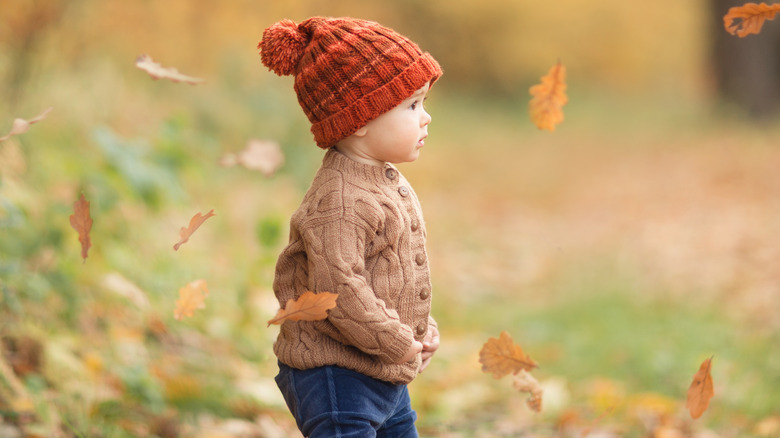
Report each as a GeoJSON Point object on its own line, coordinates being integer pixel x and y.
{"type": "Point", "coordinates": [398, 135]}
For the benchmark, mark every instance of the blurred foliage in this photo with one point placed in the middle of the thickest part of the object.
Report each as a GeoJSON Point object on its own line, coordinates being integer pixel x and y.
{"type": "Point", "coordinates": [571, 242]}
{"type": "Point", "coordinates": [489, 45]}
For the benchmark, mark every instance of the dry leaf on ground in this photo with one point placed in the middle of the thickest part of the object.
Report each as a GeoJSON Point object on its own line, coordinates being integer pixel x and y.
{"type": "Point", "coordinates": [157, 71]}
{"type": "Point", "coordinates": [191, 298]}
{"type": "Point", "coordinates": [195, 223]}
{"type": "Point", "coordinates": [308, 307]}
{"type": "Point", "coordinates": [264, 156]}
{"type": "Point", "coordinates": [749, 18]}
{"type": "Point", "coordinates": [81, 221]}
{"type": "Point", "coordinates": [701, 391]}
{"type": "Point", "coordinates": [502, 357]}
{"type": "Point", "coordinates": [20, 126]}
{"type": "Point", "coordinates": [525, 382]}
{"type": "Point", "coordinates": [549, 97]}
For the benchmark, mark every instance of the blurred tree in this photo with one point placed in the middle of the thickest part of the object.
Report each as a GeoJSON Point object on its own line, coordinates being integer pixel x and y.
{"type": "Point", "coordinates": [747, 70]}
{"type": "Point", "coordinates": [22, 31]}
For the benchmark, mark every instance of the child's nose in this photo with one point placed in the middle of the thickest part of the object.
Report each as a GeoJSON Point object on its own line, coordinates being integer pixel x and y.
{"type": "Point", "coordinates": [426, 119]}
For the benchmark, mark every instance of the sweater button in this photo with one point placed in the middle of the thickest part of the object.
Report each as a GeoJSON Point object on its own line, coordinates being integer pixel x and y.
{"type": "Point", "coordinates": [421, 327]}
{"type": "Point", "coordinates": [415, 225]}
{"type": "Point", "coordinates": [390, 173]}
{"type": "Point", "coordinates": [403, 191]}
{"type": "Point", "coordinates": [419, 259]}
{"type": "Point", "coordinates": [424, 294]}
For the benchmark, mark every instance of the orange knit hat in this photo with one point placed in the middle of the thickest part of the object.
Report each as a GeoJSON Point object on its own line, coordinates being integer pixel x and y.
{"type": "Point", "coordinates": [347, 71]}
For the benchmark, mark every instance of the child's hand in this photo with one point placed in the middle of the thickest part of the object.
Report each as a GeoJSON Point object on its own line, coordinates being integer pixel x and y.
{"type": "Point", "coordinates": [430, 345]}
{"type": "Point", "coordinates": [412, 352]}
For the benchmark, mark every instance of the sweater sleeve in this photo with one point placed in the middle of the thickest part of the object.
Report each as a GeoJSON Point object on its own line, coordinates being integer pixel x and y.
{"type": "Point", "coordinates": [335, 250]}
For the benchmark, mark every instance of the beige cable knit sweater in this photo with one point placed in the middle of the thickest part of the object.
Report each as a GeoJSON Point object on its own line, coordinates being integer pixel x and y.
{"type": "Point", "coordinates": [359, 232]}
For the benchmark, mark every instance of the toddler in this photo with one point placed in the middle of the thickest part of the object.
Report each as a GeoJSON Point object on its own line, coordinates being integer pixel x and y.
{"type": "Point", "coordinates": [359, 231]}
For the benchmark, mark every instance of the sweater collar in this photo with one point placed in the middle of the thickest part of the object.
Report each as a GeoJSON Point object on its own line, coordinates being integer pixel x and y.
{"type": "Point", "coordinates": [336, 160]}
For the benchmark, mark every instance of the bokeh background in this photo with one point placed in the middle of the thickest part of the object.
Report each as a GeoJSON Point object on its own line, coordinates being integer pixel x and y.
{"type": "Point", "coordinates": [621, 250]}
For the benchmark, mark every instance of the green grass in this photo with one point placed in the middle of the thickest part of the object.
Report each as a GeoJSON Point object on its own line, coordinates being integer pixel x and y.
{"type": "Point", "coordinates": [598, 323]}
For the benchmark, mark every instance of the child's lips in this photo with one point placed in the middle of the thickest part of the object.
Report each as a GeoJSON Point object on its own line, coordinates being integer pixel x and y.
{"type": "Point", "coordinates": [421, 142]}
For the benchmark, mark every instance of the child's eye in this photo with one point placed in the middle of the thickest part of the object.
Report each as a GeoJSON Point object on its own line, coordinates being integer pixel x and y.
{"type": "Point", "coordinates": [414, 104]}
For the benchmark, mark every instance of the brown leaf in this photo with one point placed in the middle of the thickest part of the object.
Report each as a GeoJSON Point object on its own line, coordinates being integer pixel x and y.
{"type": "Point", "coordinates": [749, 18]}
{"type": "Point", "coordinates": [262, 155]}
{"type": "Point", "coordinates": [502, 357]}
{"type": "Point", "coordinates": [157, 71]}
{"type": "Point", "coordinates": [191, 297]}
{"type": "Point", "coordinates": [81, 221]}
{"type": "Point", "coordinates": [700, 392]}
{"type": "Point", "coordinates": [524, 382]}
{"type": "Point", "coordinates": [20, 126]}
{"type": "Point", "coordinates": [549, 97]}
{"type": "Point", "coordinates": [195, 223]}
{"type": "Point", "coordinates": [308, 307]}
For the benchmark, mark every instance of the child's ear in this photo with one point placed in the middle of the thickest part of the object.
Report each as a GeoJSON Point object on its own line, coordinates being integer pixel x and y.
{"type": "Point", "coordinates": [361, 132]}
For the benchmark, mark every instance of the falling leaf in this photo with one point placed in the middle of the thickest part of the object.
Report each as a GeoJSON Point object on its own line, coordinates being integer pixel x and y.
{"type": "Point", "coordinates": [20, 126]}
{"type": "Point", "coordinates": [549, 97]}
{"type": "Point", "coordinates": [262, 155]}
{"type": "Point", "coordinates": [81, 221]}
{"type": "Point", "coordinates": [502, 356]}
{"type": "Point", "coordinates": [191, 298]}
{"type": "Point", "coordinates": [700, 392]}
{"type": "Point", "coordinates": [195, 223]}
{"type": "Point", "coordinates": [308, 307]}
{"type": "Point", "coordinates": [156, 71]}
{"type": "Point", "coordinates": [749, 18]}
{"type": "Point", "coordinates": [524, 382]}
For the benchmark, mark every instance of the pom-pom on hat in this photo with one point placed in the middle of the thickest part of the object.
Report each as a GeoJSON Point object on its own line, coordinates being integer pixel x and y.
{"type": "Point", "coordinates": [347, 71]}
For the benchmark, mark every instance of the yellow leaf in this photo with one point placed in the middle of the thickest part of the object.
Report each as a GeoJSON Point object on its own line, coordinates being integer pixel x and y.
{"type": "Point", "coordinates": [549, 97]}
{"type": "Point", "coordinates": [195, 223]}
{"type": "Point", "coordinates": [308, 307]}
{"type": "Point", "coordinates": [22, 405]}
{"type": "Point", "coordinates": [20, 126]}
{"type": "Point", "coordinates": [81, 221]}
{"type": "Point", "coordinates": [701, 391]}
{"type": "Point", "coordinates": [157, 71]}
{"type": "Point", "coordinates": [749, 18]}
{"type": "Point", "coordinates": [191, 297]}
{"type": "Point", "coordinates": [768, 427]}
{"type": "Point", "coordinates": [502, 357]}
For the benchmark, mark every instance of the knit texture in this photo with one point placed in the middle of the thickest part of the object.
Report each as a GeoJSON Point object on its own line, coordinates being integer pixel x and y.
{"type": "Point", "coordinates": [359, 232]}
{"type": "Point", "coordinates": [347, 71]}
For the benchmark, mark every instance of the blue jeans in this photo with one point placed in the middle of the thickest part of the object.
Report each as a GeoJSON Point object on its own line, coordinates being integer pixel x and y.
{"type": "Point", "coordinates": [334, 402]}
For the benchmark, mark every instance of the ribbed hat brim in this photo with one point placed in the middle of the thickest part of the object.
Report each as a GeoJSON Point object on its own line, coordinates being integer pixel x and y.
{"type": "Point", "coordinates": [346, 122]}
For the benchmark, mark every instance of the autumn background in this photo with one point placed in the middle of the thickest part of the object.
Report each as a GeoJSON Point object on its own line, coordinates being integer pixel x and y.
{"type": "Point", "coordinates": [622, 250]}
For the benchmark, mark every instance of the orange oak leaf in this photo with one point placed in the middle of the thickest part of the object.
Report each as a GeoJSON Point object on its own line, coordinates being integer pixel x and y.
{"type": "Point", "coordinates": [549, 97]}
{"type": "Point", "coordinates": [264, 156]}
{"type": "Point", "coordinates": [191, 298]}
{"type": "Point", "coordinates": [502, 357]}
{"type": "Point", "coordinates": [749, 18]}
{"type": "Point", "coordinates": [195, 223]}
{"type": "Point", "coordinates": [157, 71]}
{"type": "Point", "coordinates": [700, 392]}
{"type": "Point", "coordinates": [81, 221]}
{"type": "Point", "coordinates": [524, 382]}
{"type": "Point", "coordinates": [20, 126]}
{"type": "Point", "coordinates": [308, 307]}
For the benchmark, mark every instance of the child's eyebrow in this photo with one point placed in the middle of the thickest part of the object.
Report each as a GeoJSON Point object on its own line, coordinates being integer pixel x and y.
{"type": "Point", "coordinates": [418, 93]}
